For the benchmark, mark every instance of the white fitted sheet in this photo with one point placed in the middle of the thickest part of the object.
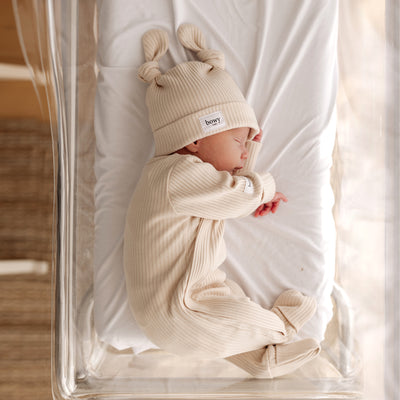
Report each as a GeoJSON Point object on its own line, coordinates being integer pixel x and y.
{"type": "Point", "coordinates": [282, 54]}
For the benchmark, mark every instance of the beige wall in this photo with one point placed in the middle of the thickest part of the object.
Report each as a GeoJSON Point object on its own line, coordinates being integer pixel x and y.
{"type": "Point", "coordinates": [17, 95]}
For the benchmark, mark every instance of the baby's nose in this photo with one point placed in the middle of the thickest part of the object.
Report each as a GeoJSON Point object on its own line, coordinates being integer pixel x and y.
{"type": "Point", "coordinates": [245, 153]}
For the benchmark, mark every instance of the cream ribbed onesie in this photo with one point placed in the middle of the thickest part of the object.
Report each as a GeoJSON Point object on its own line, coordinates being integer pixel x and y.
{"type": "Point", "coordinates": [173, 247]}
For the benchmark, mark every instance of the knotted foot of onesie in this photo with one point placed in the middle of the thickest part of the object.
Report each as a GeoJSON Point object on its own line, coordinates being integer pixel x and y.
{"type": "Point", "coordinates": [277, 360]}
{"type": "Point", "coordinates": [294, 309]}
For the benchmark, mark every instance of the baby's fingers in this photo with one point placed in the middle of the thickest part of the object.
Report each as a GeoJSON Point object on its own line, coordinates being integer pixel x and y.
{"type": "Point", "coordinates": [280, 196]}
{"type": "Point", "coordinates": [275, 207]}
{"type": "Point", "coordinates": [267, 209]}
{"type": "Point", "coordinates": [258, 137]}
{"type": "Point", "coordinates": [258, 210]}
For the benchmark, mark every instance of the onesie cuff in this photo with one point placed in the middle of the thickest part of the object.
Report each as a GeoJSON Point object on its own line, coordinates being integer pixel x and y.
{"type": "Point", "coordinates": [253, 148]}
{"type": "Point", "coordinates": [269, 187]}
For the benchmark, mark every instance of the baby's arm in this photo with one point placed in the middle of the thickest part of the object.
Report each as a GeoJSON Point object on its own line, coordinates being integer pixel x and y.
{"type": "Point", "coordinates": [253, 148]}
{"type": "Point", "coordinates": [197, 189]}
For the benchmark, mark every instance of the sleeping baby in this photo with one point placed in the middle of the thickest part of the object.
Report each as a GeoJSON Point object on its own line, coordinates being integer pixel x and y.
{"type": "Point", "coordinates": [206, 143]}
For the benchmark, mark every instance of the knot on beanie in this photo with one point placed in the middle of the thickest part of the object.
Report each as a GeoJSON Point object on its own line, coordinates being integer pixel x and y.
{"type": "Point", "coordinates": [193, 39]}
{"type": "Point", "coordinates": [149, 71]}
{"type": "Point", "coordinates": [213, 57]}
{"type": "Point", "coordinates": [155, 45]}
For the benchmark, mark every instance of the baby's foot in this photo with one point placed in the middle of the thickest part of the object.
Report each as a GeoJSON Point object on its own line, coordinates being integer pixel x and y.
{"type": "Point", "coordinates": [286, 358]}
{"type": "Point", "coordinates": [294, 309]}
{"type": "Point", "coordinates": [277, 359]}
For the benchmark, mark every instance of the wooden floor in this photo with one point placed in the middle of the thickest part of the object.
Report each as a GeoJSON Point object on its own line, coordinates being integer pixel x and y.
{"type": "Point", "coordinates": [25, 229]}
{"type": "Point", "coordinates": [25, 337]}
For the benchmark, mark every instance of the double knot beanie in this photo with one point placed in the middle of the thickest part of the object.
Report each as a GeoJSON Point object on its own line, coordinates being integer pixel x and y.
{"type": "Point", "coordinates": [194, 99]}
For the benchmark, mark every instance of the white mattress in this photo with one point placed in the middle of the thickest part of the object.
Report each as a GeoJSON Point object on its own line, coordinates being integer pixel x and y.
{"type": "Point", "coordinates": [282, 54]}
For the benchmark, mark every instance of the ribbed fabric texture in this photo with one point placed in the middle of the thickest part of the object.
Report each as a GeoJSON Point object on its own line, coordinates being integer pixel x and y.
{"type": "Point", "coordinates": [173, 247]}
{"type": "Point", "coordinates": [277, 360]}
{"type": "Point", "coordinates": [178, 99]}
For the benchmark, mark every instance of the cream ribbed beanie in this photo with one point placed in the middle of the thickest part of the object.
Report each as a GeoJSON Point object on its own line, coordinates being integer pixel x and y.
{"type": "Point", "coordinates": [194, 99]}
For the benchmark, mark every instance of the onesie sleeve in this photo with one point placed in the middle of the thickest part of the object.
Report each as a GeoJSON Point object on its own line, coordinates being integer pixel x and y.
{"type": "Point", "coordinates": [253, 149]}
{"type": "Point", "coordinates": [196, 188]}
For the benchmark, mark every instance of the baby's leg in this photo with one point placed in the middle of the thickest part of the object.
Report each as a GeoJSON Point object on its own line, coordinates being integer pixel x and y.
{"type": "Point", "coordinates": [293, 308]}
{"type": "Point", "coordinates": [222, 321]}
{"type": "Point", "coordinates": [277, 360]}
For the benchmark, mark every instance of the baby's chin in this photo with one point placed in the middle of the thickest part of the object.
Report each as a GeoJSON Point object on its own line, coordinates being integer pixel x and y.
{"type": "Point", "coordinates": [231, 170]}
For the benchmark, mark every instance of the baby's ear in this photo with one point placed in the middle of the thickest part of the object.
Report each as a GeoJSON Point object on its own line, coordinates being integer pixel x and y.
{"type": "Point", "coordinates": [193, 147]}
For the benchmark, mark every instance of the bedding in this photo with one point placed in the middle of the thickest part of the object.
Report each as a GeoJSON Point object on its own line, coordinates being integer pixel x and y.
{"type": "Point", "coordinates": [283, 58]}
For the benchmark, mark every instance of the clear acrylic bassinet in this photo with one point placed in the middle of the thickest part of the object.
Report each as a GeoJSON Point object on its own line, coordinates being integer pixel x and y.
{"type": "Point", "coordinates": [361, 349]}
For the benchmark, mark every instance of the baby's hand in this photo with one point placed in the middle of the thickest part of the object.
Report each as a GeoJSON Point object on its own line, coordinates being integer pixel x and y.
{"type": "Point", "coordinates": [271, 206]}
{"type": "Point", "coordinates": [258, 137]}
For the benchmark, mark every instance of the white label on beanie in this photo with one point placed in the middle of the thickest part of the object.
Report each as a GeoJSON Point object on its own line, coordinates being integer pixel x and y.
{"type": "Point", "coordinates": [212, 121]}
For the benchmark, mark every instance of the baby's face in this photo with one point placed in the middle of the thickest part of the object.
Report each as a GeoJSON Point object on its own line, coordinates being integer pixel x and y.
{"type": "Point", "coordinates": [226, 151]}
